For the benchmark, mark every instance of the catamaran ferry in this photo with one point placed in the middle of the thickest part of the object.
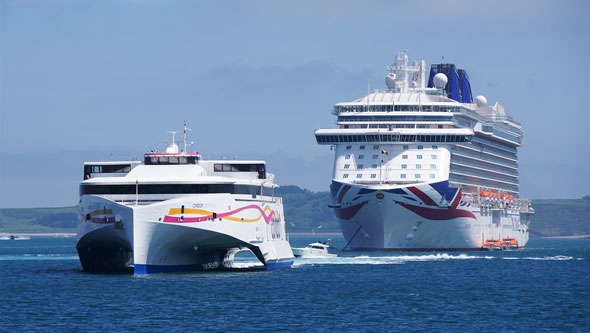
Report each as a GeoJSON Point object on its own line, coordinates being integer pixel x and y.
{"type": "Point", "coordinates": [422, 165]}
{"type": "Point", "coordinates": [178, 212]}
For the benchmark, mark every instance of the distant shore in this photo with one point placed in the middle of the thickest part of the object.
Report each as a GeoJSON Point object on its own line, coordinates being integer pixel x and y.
{"type": "Point", "coordinates": [58, 234]}
{"type": "Point", "coordinates": [569, 237]}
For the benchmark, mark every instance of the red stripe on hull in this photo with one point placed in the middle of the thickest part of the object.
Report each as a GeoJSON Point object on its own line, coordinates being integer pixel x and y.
{"type": "Point", "coordinates": [349, 212]}
{"type": "Point", "coordinates": [423, 196]}
{"type": "Point", "coordinates": [457, 199]}
{"type": "Point", "coordinates": [345, 189]}
{"type": "Point", "coordinates": [437, 214]}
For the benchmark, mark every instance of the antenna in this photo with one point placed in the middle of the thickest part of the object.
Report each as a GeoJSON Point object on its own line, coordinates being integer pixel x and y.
{"type": "Point", "coordinates": [186, 129]}
{"type": "Point", "coordinates": [368, 93]}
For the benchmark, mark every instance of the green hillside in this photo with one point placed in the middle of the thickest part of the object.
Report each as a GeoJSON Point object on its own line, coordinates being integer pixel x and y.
{"type": "Point", "coordinates": [307, 211]}
{"type": "Point", "coordinates": [16, 220]}
{"type": "Point", "coordinates": [561, 217]}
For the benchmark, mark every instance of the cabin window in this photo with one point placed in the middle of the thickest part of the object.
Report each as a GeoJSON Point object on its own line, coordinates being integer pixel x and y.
{"type": "Point", "coordinates": [172, 189]}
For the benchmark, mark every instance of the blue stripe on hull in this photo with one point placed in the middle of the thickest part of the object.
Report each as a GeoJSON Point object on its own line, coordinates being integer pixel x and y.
{"type": "Point", "coordinates": [278, 265]}
{"type": "Point", "coordinates": [147, 269]}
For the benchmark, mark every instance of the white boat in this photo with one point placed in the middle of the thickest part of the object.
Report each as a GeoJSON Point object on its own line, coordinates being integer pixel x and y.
{"type": "Point", "coordinates": [315, 250]}
{"type": "Point", "coordinates": [422, 165]}
{"type": "Point", "coordinates": [178, 212]}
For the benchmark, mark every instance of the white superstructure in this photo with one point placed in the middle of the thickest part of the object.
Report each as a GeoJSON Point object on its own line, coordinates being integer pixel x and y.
{"type": "Point", "coordinates": [424, 165]}
{"type": "Point", "coordinates": [177, 212]}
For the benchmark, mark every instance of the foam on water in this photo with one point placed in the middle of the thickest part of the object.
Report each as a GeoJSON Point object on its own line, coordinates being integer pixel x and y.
{"type": "Point", "coordinates": [385, 260]}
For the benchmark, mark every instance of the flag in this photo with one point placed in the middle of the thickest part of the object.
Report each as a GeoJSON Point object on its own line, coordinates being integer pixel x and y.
{"type": "Point", "coordinates": [384, 153]}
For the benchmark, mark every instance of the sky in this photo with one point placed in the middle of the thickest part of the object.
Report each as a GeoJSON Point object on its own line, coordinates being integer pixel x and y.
{"type": "Point", "coordinates": [96, 80]}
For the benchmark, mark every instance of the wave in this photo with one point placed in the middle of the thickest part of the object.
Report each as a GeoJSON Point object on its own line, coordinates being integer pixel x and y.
{"type": "Point", "coordinates": [385, 260]}
{"type": "Point", "coordinates": [558, 258]}
{"type": "Point", "coordinates": [388, 260]}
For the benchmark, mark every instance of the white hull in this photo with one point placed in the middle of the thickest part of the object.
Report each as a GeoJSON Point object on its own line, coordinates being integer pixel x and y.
{"type": "Point", "coordinates": [181, 234]}
{"type": "Point", "coordinates": [401, 220]}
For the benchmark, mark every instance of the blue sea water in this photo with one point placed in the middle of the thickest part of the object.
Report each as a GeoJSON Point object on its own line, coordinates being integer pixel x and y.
{"type": "Point", "coordinates": [545, 287]}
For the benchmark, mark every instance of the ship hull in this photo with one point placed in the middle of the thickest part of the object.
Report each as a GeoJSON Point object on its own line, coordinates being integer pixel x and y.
{"type": "Point", "coordinates": [426, 217]}
{"type": "Point", "coordinates": [194, 232]}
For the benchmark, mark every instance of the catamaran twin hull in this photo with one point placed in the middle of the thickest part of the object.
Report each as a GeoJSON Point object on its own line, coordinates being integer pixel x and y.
{"type": "Point", "coordinates": [425, 217]}
{"type": "Point", "coordinates": [183, 234]}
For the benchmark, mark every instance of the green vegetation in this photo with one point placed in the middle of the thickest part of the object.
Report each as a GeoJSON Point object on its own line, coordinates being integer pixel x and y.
{"type": "Point", "coordinates": [307, 211]}
{"type": "Point", "coordinates": [40, 220]}
{"type": "Point", "coordinates": [561, 217]}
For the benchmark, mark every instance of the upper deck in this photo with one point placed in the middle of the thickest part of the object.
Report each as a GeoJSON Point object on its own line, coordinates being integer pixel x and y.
{"type": "Point", "coordinates": [408, 103]}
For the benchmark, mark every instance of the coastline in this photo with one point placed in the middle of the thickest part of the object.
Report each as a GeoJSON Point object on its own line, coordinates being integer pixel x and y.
{"type": "Point", "coordinates": [569, 237]}
{"type": "Point", "coordinates": [57, 234]}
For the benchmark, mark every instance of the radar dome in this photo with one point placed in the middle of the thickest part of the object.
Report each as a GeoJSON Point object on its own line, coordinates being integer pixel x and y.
{"type": "Point", "coordinates": [481, 101]}
{"type": "Point", "coordinates": [390, 81]}
{"type": "Point", "coordinates": [440, 81]}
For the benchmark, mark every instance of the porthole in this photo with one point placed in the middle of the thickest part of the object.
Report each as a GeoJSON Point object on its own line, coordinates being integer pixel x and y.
{"type": "Point", "coordinates": [380, 196]}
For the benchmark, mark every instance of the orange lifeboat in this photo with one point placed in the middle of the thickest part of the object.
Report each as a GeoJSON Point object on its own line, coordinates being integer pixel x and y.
{"type": "Point", "coordinates": [492, 245]}
{"type": "Point", "coordinates": [509, 244]}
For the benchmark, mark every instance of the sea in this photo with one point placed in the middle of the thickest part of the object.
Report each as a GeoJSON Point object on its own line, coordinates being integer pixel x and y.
{"type": "Point", "coordinates": [544, 287]}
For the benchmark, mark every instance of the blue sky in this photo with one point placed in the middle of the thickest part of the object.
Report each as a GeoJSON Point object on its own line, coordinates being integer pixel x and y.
{"type": "Point", "coordinates": [81, 80]}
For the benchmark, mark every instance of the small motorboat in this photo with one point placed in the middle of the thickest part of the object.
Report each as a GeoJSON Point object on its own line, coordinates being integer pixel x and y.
{"type": "Point", "coordinates": [315, 250]}
{"type": "Point", "coordinates": [492, 245]}
{"type": "Point", "coordinates": [509, 244]}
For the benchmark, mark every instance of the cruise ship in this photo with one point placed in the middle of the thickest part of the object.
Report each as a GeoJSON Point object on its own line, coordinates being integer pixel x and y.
{"type": "Point", "coordinates": [178, 212]}
{"type": "Point", "coordinates": [422, 165]}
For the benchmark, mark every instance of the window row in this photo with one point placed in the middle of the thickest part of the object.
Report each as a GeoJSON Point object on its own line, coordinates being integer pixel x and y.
{"type": "Point", "coordinates": [338, 138]}
{"type": "Point", "coordinates": [404, 147]}
{"type": "Point", "coordinates": [393, 118]}
{"type": "Point", "coordinates": [390, 108]}
{"type": "Point", "coordinates": [404, 156]}
{"type": "Point", "coordinates": [173, 189]}
{"type": "Point", "coordinates": [403, 166]}
{"type": "Point", "coordinates": [402, 175]}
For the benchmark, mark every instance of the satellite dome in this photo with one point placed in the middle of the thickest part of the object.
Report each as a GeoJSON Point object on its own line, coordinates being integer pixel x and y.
{"type": "Point", "coordinates": [481, 101]}
{"type": "Point", "coordinates": [390, 81]}
{"type": "Point", "coordinates": [440, 81]}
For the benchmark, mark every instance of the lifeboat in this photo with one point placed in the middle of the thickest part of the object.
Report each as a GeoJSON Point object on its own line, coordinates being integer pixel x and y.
{"type": "Point", "coordinates": [509, 244]}
{"type": "Point", "coordinates": [492, 245]}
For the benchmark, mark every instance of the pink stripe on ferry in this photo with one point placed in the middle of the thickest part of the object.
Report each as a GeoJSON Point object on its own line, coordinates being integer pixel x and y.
{"type": "Point", "coordinates": [174, 219]}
